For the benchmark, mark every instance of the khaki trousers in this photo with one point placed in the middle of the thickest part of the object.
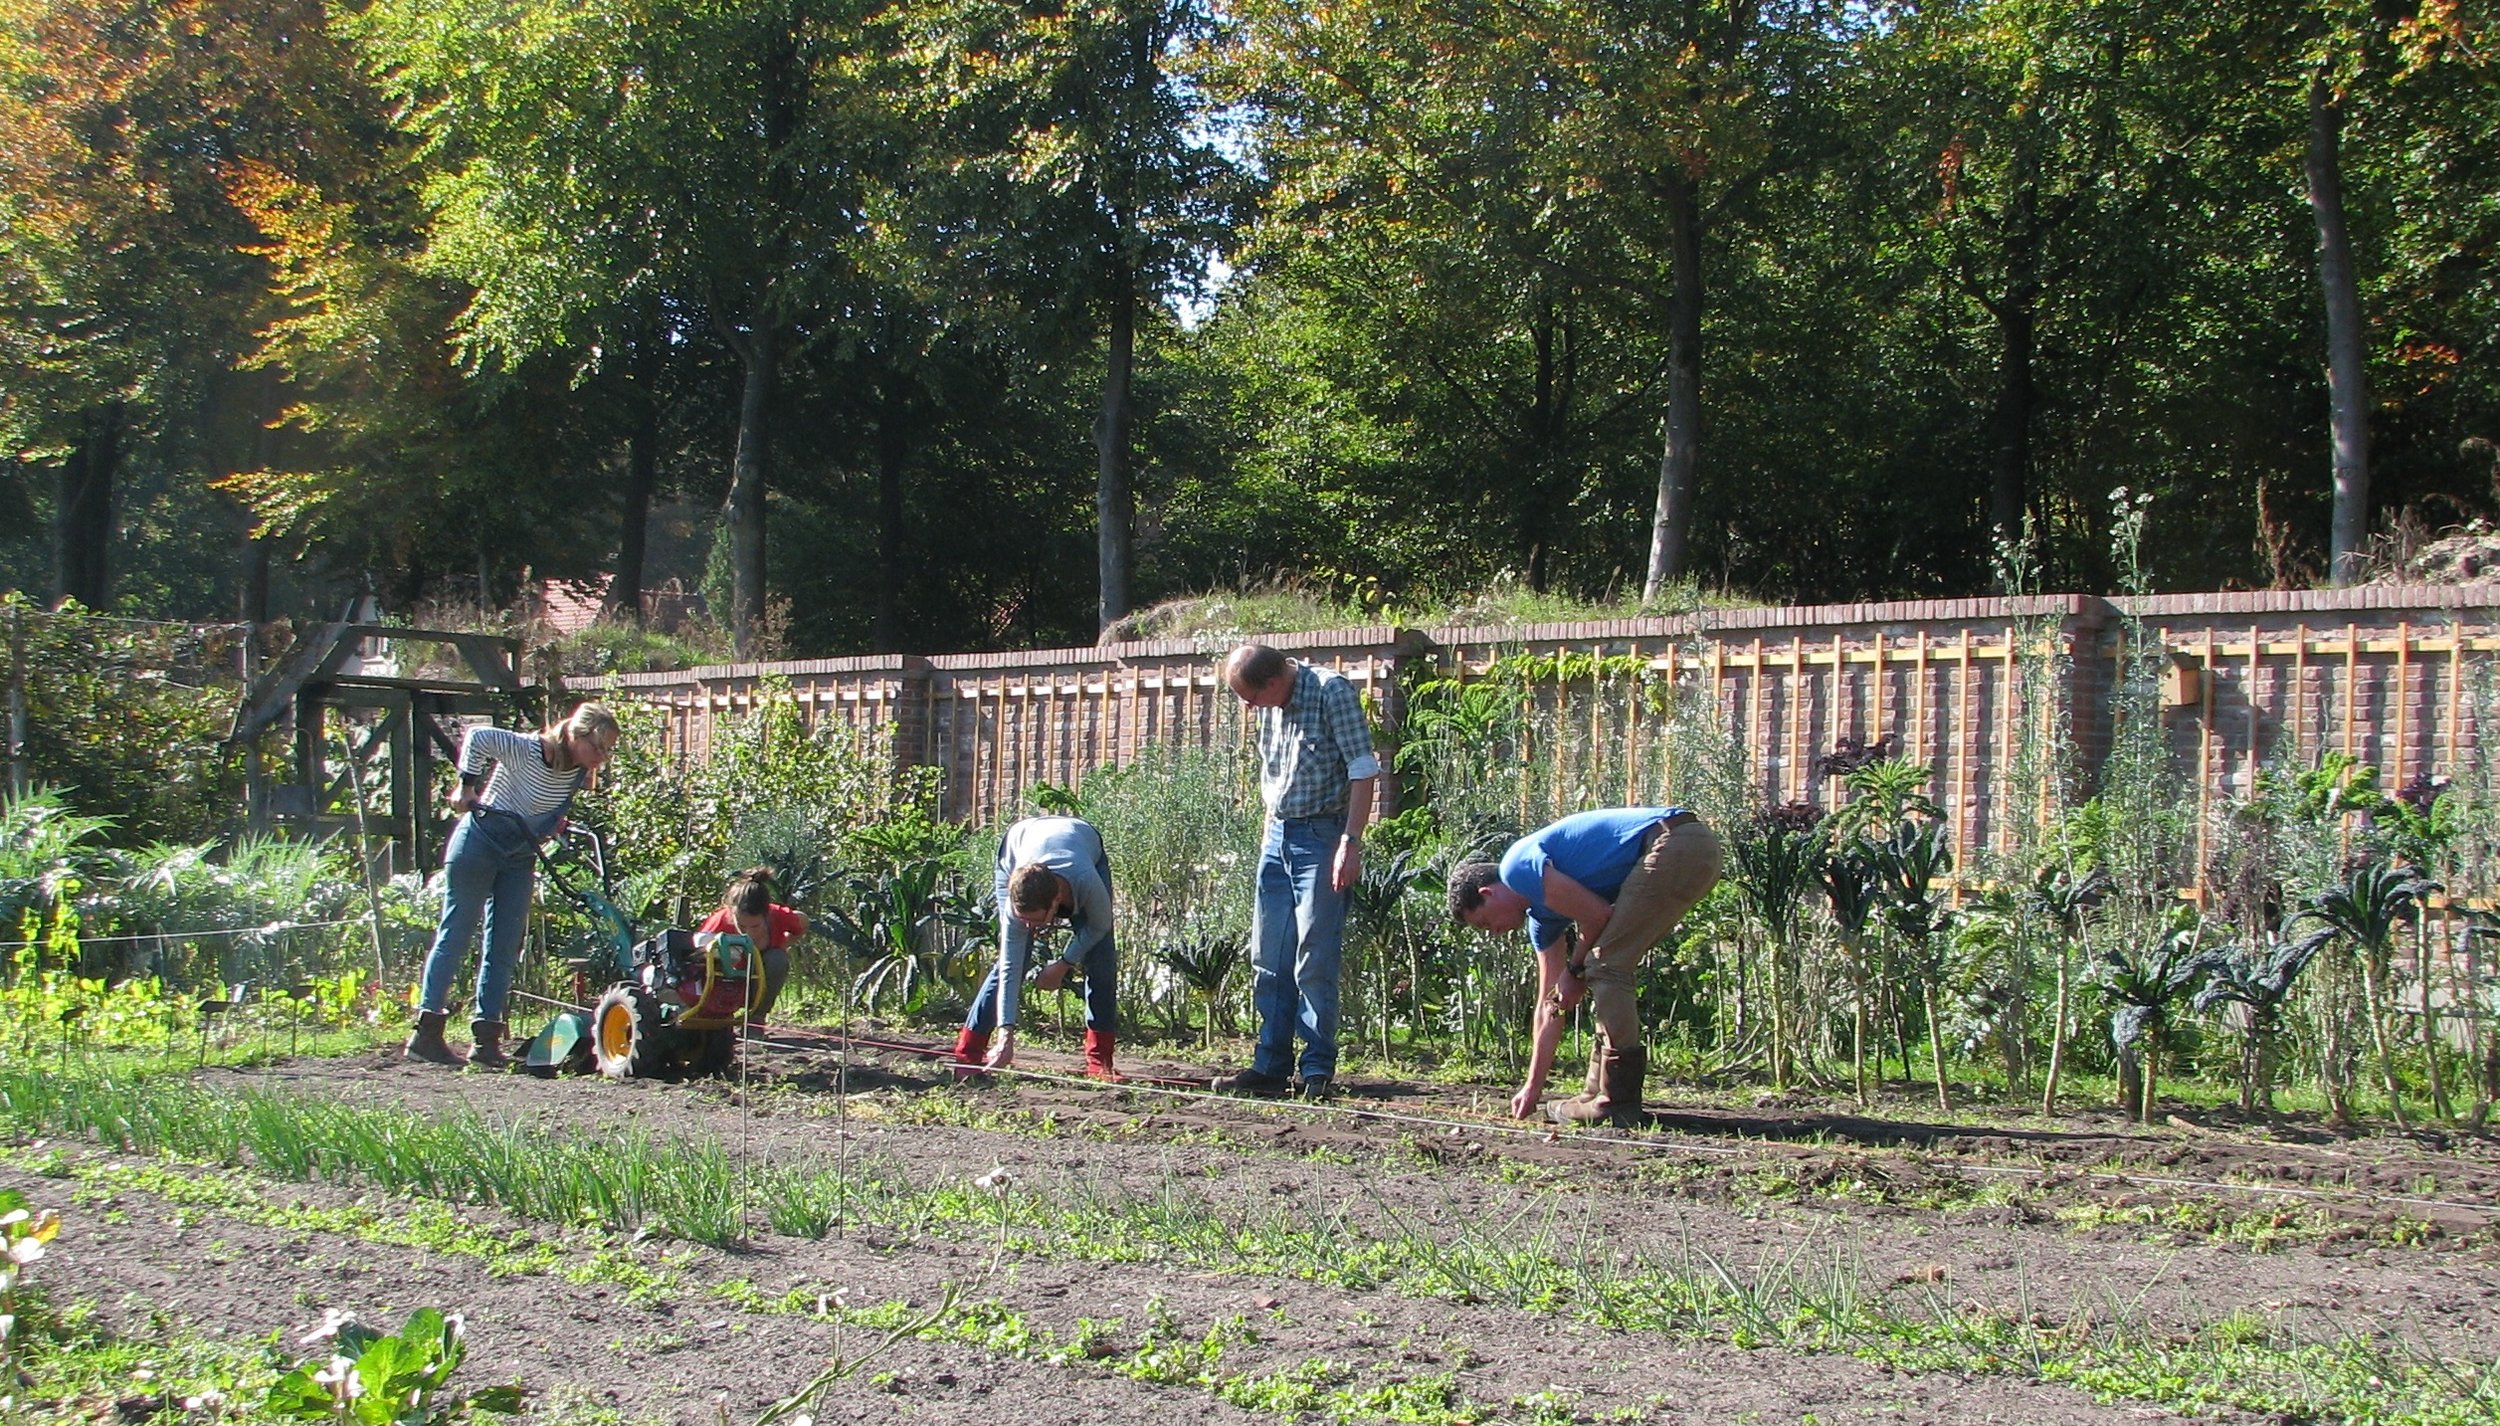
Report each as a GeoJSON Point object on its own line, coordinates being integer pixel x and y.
{"type": "Point", "coordinates": [1678, 866]}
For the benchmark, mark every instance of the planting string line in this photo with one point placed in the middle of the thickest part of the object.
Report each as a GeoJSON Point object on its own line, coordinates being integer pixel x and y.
{"type": "Point", "coordinates": [273, 928]}
{"type": "Point", "coordinates": [1464, 1126]}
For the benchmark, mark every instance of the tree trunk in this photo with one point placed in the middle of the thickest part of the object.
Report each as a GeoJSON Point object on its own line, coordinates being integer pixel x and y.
{"type": "Point", "coordinates": [2347, 381]}
{"type": "Point", "coordinates": [2009, 439]}
{"type": "Point", "coordinates": [82, 525]}
{"type": "Point", "coordinates": [2430, 1018]}
{"type": "Point", "coordinates": [2057, 1033]}
{"type": "Point", "coordinates": [2371, 982]}
{"type": "Point", "coordinates": [1935, 1044]}
{"type": "Point", "coordinates": [642, 478]}
{"type": "Point", "coordinates": [744, 510]}
{"type": "Point", "coordinates": [1114, 501]}
{"type": "Point", "coordinates": [1670, 528]}
{"type": "Point", "coordinates": [2130, 1068]}
{"type": "Point", "coordinates": [781, 97]}
{"type": "Point", "coordinates": [885, 617]}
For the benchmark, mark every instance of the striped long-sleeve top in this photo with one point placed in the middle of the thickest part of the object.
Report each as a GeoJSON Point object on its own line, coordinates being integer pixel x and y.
{"type": "Point", "coordinates": [518, 779]}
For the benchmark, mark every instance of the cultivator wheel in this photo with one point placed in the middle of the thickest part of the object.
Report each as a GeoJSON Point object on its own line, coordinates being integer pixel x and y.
{"type": "Point", "coordinates": [626, 1033]}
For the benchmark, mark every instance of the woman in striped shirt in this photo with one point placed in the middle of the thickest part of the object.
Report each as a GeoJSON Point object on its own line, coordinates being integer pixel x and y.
{"type": "Point", "coordinates": [514, 789]}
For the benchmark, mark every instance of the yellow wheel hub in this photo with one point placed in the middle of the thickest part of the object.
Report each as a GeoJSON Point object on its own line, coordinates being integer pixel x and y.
{"type": "Point", "coordinates": [616, 1032]}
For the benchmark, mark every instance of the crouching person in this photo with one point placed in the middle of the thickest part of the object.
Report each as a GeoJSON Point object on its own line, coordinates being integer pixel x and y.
{"type": "Point", "coordinates": [1050, 870]}
{"type": "Point", "coordinates": [747, 907]}
{"type": "Point", "coordinates": [1596, 891]}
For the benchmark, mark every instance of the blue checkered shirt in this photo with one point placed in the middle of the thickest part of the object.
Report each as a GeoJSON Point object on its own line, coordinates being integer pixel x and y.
{"type": "Point", "coordinates": [1314, 746]}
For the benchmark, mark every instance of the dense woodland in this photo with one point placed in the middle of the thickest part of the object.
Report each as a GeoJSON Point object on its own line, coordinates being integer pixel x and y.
{"type": "Point", "coordinates": [952, 324]}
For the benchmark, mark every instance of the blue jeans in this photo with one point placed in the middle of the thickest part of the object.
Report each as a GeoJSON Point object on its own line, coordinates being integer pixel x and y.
{"type": "Point", "coordinates": [1100, 972]}
{"type": "Point", "coordinates": [1100, 969]}
{"type": "Point", "coordinates": [488, 869]}
{"type": "Point", "coordinates": [1297, 940]}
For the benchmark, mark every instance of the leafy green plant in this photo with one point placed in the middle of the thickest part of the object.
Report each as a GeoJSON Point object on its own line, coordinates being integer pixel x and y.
{"type": "Point", "coordinates": [2258, 973]}
{"type": "Point", "coordinates": [1853, 888]}
{"type": "Point", "coordinates": [1773, 859]}
{"type": "Point", "coordinates": [44, 846]}
{"type": "Point", "coordinates": [1205, 965]}
{"type": "Point", "coordinates": [23, 1233]}
{"type": "Point", "coordinates": [2063, 897]}
{"type": "Point", "coordinates": [400, 1378]}
{"type": "Point", "coordinates": [2145, 981]}
{"type": "Point", "coordinates": [1911, 867]}
{"type": "Point", "coordinates": [890, 922]}
{"type": "Point", "coordinates": [2363, 913]}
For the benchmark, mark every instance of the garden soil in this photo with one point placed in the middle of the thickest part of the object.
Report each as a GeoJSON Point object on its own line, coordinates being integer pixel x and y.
{"type": "Point", "coordinates": [2086, 1218]}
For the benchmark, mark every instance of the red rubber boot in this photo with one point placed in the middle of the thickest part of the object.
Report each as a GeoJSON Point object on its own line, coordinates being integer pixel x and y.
{"type": "Point", "coordinates": [1098, 1047]}
{"type": "Point", "coordinates": [972, 1052]}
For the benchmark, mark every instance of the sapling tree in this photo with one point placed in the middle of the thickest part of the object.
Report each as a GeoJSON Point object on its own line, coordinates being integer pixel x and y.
{"type": "Point", "coordinates": [2063, 898]}
{"type": "Point", "coordinates": [1852, 886]}
{"type": "Point", "coordinates": [2364, 912]}
{"type": "Point", "coordinates": [2145, 979]}
{"type": "Point", "coordinates": [1386, 920]}
{"type": "Point", "coordinates": [2257, 972]}
{"type": "Point", "coordinates": [1774, 858]}
{"type": "Point", "coordinates": [1912, 865]}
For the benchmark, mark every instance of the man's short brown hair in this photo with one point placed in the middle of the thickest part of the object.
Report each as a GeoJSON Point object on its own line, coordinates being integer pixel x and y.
{"type": "Point", "coordinates": [1255, 666]}
{"type": "Point", "coordinates": [1032, 887]}
{"type": "Point", "coordinates": [1467, 886]}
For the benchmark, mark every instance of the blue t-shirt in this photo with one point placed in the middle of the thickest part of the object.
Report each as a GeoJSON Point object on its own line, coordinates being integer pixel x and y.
{"type": "Point", "coordinates": [1596, 849]}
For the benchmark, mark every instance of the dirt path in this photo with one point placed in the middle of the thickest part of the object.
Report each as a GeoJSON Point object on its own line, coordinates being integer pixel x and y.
{"type": "Point", "coordinates": [2095, 1220]}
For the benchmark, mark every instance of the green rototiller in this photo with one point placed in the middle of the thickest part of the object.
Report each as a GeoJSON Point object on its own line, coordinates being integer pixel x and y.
{"type": "Point", "coordinates": [668, 1005]}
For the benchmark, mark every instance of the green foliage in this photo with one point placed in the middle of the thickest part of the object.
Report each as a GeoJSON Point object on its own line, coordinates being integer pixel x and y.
{"type": "Point", "coordinates": [894, 923]}
{"type": "Point", "coordinates": [769, 788]}
{"type": "Point", "coordinates": [23, 1233]}
{"type": "Point", "coordinates": [127, 721]}
{"type": "Point", "coordinates": [402, 1378]}
{"type": "Point", "coordinates": [45, 849]}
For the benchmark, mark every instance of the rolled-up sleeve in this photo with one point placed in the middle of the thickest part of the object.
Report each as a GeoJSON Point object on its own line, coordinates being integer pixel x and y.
{"type": "Point", "coordinates": [1348, 731]}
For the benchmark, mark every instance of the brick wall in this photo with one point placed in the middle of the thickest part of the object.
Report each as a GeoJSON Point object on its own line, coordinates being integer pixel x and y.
{"type": "Point", "coordinates": [2399, 676]}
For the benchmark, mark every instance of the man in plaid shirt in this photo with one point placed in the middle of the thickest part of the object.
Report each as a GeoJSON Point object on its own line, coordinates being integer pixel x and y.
{"type": "Point", "coordinates": [1317, 772]}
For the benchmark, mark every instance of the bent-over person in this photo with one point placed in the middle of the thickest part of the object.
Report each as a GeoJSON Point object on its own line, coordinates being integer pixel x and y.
{"type": "Point", "coordinates": [1596, 891]}
{"type": "Point", "coordinates": [1050, 870]}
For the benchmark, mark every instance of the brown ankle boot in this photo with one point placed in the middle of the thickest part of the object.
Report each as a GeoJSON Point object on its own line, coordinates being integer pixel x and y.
{"type": "Point", "coordinates": [486, 1045]}
{"type": "Point", "coordinates": [1098, 1047]}
{"type": "Point", "coordinates": [427, 1041]}
{"type": "Point", "coordinates": [972, 1052]}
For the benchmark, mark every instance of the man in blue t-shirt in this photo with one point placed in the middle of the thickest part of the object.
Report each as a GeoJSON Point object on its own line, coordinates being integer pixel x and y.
{"type": "Point", "coordinates": [1596, 890]}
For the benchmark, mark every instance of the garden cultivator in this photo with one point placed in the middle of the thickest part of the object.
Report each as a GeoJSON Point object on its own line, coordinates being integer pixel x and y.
{"type": "Point", "coordinates": [669, 1004]}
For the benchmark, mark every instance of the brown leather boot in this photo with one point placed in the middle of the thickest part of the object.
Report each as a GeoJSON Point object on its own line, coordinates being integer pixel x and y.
{"type": "Point", "coordinates": [1596, 1107]}
{"type": "Point", "coordinates": [1624, 1086]}
{"type": "Point", "coordinates": [972, 1052]}
{"type": "Point", "coordinates": [427, 1041]}
{"type": "Point", "coordinates": [486, 1045]}
{"type": "Point", "coordinates": [1098, 1047]}
{"type": "Point", "coordinates": [1589, 1105]}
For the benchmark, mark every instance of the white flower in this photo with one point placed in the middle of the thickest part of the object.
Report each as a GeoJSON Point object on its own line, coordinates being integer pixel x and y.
{"type": "Point", "coordinates": [995, 1181]}
{"type": "Point", "coordinates": [331, 1321]}
{"type": "Point", "coordinates": [339, 1379]}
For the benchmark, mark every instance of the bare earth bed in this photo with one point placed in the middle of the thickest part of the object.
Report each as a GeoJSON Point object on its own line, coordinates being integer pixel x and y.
{"type": "Point", "coordinates": [2081, 1223]}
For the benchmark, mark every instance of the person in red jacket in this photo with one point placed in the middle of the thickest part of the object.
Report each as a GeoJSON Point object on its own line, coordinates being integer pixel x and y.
{"type": "Point", "coordinates": [748, 908]}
